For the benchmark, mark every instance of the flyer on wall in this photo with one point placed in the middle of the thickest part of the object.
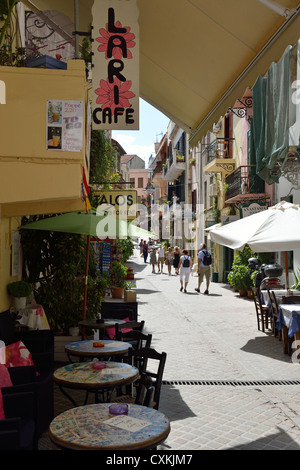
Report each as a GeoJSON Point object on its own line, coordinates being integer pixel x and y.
{"type": "Point", "coordinates": [65, 125]}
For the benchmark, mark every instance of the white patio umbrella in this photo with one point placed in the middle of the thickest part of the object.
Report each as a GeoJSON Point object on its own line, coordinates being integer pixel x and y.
{"type": "Point", "coordinates": [274, 229]}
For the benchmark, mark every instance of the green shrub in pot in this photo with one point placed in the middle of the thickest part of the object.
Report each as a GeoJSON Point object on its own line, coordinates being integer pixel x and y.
{"type": "Point", "coordinates": [19, 289]}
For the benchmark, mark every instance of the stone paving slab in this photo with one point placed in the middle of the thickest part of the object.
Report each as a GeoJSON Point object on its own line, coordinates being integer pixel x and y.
{"type": "Point", "coordinates": [215, 338]}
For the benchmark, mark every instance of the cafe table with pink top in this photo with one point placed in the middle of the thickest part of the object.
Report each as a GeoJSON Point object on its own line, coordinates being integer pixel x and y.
{"type": "Point", "coordinates": [94, 377]}
{"type": "Point", "coordinates": [104, 348]}
{"type": "Point", "coordinates": [93, 427]}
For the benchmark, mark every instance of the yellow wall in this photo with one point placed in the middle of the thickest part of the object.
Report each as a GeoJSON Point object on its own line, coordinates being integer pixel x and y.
{"type": "Point", "coordinates": [7, 226]}
{"type": "Point", "coordinates": [28, 171]}
{"type": "Point", "coordinates": [34, 180]}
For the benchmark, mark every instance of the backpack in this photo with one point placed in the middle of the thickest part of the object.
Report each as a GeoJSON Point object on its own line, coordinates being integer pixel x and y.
{"type": "Point", "coordinates": [186, 262]}
{"type": "Point", "coordinates": [206, 258]}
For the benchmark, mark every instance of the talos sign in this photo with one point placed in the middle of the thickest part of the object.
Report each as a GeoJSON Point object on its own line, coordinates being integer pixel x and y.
{"type": "Point", "coordinates": [117, 202]}
{"type": "Point", "coordinates": [115, 72]}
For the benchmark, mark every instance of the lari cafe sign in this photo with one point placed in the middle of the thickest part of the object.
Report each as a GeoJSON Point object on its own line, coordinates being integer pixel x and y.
{"type": "Point", "coordinates": [115, 72]}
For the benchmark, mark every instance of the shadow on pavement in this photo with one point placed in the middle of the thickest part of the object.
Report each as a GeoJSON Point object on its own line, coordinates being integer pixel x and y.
{"type": "Point", "coordinates": [267, 346]}
{"type": "Point", "coordinates": [279, 437]}
{"type": "Point", "coordinates": [172, 404]}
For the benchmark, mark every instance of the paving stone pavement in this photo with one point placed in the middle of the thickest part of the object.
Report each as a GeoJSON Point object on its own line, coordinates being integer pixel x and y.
{"type": "Point", "coordinates": [226, 385]}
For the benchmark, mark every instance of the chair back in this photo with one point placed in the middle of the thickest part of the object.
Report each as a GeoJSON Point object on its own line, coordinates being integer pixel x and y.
{"type": "Point", "coordinates": [257, 300]}
{"type": "Point", "coordinates": [291, 299]}
{"type": "Point", "coordinates": [137, 339]}
{"type": "Point", "coordinates": [144, 393]}
{"type": "Point", "coordinates": [134, 325]}
{"type": "Point", "coordinates": [274, 305]}
{"type": "Point", "coordinates": [141, 357]}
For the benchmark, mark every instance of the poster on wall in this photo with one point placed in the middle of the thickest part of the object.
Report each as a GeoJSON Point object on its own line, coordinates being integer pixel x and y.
{"type": "Point", "coordinates": [65, 125]}
{"type": "Point", "coordinates": [115, 72]}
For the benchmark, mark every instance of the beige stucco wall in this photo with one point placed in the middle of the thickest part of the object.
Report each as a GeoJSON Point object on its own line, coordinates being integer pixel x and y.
{"type": "Point", "coordinates": [30, 172]}
{"type": "Point", "coordinates": [34, 180]}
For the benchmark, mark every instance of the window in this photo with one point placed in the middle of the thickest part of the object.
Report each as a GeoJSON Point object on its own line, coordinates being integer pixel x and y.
{"type": "Point", "coordinates": [140, 182]}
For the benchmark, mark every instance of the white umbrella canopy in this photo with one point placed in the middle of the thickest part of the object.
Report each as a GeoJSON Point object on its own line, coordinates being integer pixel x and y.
{"type": "Point", "coordinates": [275, 229]}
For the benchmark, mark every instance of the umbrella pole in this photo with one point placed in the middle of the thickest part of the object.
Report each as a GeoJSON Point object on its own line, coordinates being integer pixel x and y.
{"type": "Point", "coordinates": [86, 275]}
{"type": "Point", "coordinates": [286, 269]}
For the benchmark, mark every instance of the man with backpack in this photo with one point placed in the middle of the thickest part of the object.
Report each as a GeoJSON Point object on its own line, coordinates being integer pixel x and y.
{"type": "Point", "coordinates": [204, 268]}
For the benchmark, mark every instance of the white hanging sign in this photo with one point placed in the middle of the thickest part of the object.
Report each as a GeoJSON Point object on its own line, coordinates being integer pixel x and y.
{"type": "Point", "coordinates": [115, 72]}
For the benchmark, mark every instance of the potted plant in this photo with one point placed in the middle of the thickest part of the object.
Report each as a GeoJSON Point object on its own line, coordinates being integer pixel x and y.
{"type": "Point", "coordinates": [19, 290]}
{"type": "Point", "coordinates": [129, 293]}
{"type": "Point", "coordinates": [118, 274]}
{"type": "Point", "coordinates": [243, 280]}
{"type": "Point", "coordinates": [193, 161]}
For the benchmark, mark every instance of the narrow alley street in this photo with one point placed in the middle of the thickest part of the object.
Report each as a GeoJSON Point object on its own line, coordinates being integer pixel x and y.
{"type": "Point", "coordinates": [226, 384]}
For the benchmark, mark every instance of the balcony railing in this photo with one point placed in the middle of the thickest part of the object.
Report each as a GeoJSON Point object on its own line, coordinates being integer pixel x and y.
{"type": "Point", "coordinates": [243, 180]}
{"type": "Point", "coordinates": [218, 148]}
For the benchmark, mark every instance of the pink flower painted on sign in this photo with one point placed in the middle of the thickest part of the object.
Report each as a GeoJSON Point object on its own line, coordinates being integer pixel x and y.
{"type": "Point", "coordinates": [107, 94]}
{"type": "Point", "coordinates": [116, 51]}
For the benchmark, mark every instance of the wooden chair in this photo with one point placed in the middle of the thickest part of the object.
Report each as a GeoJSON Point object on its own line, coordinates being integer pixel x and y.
{"type": "Point", "coordinates": [137, 339]}
{"type": "Point", "coordinates": [144, 393]}
{"type": "Point", "coordinates": [274, 307]}
{"type": "Point", "coordinates": [142, 357]}
{"type": "Point", "coordinates": [262, 311]}
{"type": "Point", "coordinates": [287, 342]}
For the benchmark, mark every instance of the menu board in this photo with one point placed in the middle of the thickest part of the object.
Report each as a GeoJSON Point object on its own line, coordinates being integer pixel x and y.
{"type": "Point", "coordinates": [65, 125]}
{"type": "Point", "coordinates": [106, 257]}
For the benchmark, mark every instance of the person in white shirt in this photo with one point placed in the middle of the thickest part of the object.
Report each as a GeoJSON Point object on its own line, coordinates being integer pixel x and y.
{"type": "Point", "coordinates": [184, 270]}
{"type": "Point", "coordinates": [161, 258]}
{"type": "Point", "coordinates": [203, 270]}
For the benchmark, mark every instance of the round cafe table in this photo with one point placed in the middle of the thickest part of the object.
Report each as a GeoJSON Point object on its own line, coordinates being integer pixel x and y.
{"type": "Point", "coordinates": [88, 348]}
{"type": "Point", "coordinates": [91, 427]}
{"type": "Point", "coordinates": [83, 376]}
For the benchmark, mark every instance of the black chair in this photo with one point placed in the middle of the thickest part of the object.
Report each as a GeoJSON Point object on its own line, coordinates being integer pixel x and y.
{"type": "Point", "coordinates": [144, 393]}
{"type": "Point", "coordinates": [262, 311]}
{"type": "Point", "coordinates": [129, 325]}
{"type": "Point", "coordinates": [287, 342]}
{"type": "Point", "coordinates": [274, 308]}
{"type": "Point", "coordinates": [18, 429]}
{"type": "Point", "coordinates": [37, 379]}
{"type": "Point", "coordinates": [142, 357]}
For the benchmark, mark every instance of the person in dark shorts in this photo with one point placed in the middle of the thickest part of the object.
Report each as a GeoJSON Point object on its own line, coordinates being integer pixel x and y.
{"type": "Point", "coordinates": [176, 259]}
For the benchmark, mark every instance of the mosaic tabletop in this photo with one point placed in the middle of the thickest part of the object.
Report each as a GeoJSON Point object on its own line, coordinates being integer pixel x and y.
{"type": "Point", "coordinates": [92, 427]}
{"type": "Point", "coordinates": [105, 347]}
{"type": "Point", "coordinates": [85, 375]}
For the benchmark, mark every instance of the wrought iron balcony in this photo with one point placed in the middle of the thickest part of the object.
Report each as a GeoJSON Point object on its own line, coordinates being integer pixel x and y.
{"type": "Point", "coordinates": [243, 180]}
{"type": "Point", "coordinates": [218, 148]}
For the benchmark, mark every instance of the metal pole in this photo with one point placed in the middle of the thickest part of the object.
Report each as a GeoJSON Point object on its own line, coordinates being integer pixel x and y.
{"type": "Point", "coordinates": [76, 24]}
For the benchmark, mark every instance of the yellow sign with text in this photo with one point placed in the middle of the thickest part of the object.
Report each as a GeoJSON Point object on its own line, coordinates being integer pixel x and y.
{"type": "Point", "coordinates": [120, 201]}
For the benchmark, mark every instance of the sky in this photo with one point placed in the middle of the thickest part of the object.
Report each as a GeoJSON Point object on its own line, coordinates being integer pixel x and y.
{"type": "Point", "coordinates": [153, 124]}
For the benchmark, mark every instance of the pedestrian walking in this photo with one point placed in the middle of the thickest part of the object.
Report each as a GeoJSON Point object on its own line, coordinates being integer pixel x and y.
{"type": "Point", "coordinates": [153, 259]}
{"type": "Point", "coordinates": [204, 268]}
{"type": "Point", "coordinates": [145, 251]}
{"type": "Point", "coordinates": [169, 259]}
{"type": "Point", "coordinates": [176, 259]}
{"type": "Point", "coordinates": [141, 246]}
{"type": "Point", "coordinates": [161, 258]}
{"type": "Point", "coordinates": [184, 270]}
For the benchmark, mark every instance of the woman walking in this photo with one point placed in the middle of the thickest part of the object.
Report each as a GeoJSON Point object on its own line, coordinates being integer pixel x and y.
{"type": "Point", "coordinates": [184, 270]}
{"type": "Point", "coordinates": [153, 260]}
{"type": "Point", "coordinates": [176, 259]}
{"type": "Point", "coordinates": [145, 251]}
{"type": "Point", "coordinates": [169, 258]}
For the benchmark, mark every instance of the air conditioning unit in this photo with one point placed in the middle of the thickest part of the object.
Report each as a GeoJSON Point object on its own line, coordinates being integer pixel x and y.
{"type": "Point", "coordinates": [213, 190]}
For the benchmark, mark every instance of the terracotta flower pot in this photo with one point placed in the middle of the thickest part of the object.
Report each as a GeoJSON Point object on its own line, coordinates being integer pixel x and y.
{"type": "Point", "coordinates": [117, 292]}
